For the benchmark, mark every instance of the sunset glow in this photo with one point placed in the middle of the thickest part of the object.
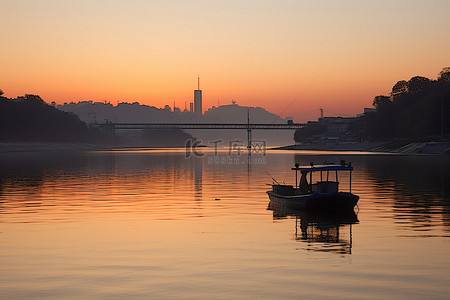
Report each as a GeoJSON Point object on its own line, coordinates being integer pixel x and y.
{"type": "Point", "coordinates": [290, 57]}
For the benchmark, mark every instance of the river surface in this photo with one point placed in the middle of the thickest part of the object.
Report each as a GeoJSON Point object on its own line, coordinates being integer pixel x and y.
{"type": "Point", "coordinates": [153, 224]}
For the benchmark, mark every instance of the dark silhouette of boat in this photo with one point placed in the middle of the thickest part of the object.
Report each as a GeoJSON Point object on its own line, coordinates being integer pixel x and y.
{"type": "Point", "coordinates": [323, 194]}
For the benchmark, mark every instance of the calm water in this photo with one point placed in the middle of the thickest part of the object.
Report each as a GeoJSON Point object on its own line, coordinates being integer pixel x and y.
{"type": "Point", "coordinates": [152, 224]}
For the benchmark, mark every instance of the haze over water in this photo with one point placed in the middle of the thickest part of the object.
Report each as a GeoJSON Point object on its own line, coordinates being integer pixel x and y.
{"type": "Point", "coordinates": [152, 224]}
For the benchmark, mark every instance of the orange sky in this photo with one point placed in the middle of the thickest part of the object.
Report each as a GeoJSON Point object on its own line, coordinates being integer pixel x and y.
{"type": "Point", "coordinates": [290, 57]}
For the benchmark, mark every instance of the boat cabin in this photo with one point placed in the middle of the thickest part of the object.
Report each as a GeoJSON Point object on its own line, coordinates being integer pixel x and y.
{"type": "Point", "coordinates": [324, 184]}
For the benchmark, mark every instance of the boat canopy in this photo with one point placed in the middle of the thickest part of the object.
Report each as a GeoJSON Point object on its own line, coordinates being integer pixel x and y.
{"type": "Point", "coordinates": [305, 169]}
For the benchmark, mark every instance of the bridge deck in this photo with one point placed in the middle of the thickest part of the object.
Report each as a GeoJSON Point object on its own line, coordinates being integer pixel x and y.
{"type": "Point", "coordinates": [201, 126]}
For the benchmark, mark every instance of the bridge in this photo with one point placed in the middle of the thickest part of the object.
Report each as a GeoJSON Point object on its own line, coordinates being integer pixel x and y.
{"type": "Point", "coordinates": [287, 126]}
{"type": "Point", "coordinates": [111, 127]}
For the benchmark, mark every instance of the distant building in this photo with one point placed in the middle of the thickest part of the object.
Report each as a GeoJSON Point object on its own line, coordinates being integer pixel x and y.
{"type": "Point", "coordinates": [327, 130]}
{"type": "Point", "coordinates": [198, 100]}
{"type": "Point", "coordinates": [366, 112]}
{"type": "Point", "coordinates": [191, 107]}
{"type": "Point", "coordinates": [336, 125]}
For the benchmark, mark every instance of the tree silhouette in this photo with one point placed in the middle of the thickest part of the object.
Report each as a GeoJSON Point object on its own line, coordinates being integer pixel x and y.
{"type": "Point", "coordinates": [379, 102]}
{"type": "Point", "coordinates": [417, 84]}
{"type": "Point", "coordinates": [33, 120]}
{"type": "Point", "coordinates": [444, 75]}
{"type": "Point", "coordinates": [399, 88]}
{"type": "Point", "coordinates": [418, 109]}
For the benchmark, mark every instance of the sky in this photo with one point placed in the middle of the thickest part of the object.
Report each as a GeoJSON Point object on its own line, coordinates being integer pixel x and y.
{"type": "Point", "coordinates": [289, 57]}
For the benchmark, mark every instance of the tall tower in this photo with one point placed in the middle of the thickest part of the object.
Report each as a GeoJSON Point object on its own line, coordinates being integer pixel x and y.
{"type": "Point", "coordinates": [198, 100]}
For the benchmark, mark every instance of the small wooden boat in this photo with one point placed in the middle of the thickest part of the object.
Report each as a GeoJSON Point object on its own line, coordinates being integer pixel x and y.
{"type": "Point", "coordinates": [323, 194]}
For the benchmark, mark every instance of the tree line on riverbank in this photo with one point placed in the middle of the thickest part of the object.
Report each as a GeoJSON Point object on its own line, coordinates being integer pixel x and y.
{"type": "Point", "coordinates": [418, 109]}
{"type": "Point", "coordinates": [30, 119]}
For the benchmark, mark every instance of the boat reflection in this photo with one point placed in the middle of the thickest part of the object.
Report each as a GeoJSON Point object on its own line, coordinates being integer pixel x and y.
{"type": "Point", "coordinates": [321, 231]}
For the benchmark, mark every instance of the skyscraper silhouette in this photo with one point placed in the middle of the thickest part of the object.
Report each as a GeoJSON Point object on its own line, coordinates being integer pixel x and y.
{"type": "Point", "coordinates": [198, 100]}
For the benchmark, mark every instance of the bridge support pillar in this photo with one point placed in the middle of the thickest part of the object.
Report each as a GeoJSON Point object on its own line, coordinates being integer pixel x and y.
{"type": "Point", "coordinates": [110, 130]}
{"type": "Point", "coordinates": [249, 138]}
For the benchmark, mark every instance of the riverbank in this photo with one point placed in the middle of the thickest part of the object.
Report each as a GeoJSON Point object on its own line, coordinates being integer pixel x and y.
{"type": "Point", "coordinates": [35, 147]}
{"type": "Point", "coordinates": [401, 147]}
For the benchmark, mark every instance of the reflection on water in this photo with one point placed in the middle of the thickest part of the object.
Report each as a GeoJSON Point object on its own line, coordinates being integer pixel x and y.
{"type": "Point", "coordinates": [198, 172]}
{"type": "Point", "coordinates": [321, 230]}
{"type": "Point", "coordinates": [416, 188]}
{"type": "Point", "coordinates": [137, 223]}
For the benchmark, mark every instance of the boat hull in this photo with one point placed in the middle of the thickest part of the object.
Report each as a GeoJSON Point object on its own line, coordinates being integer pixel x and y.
{"type": "Point", "coordinates": [325, 201]}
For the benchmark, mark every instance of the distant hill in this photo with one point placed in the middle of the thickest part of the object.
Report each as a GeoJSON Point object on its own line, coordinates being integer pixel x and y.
{"type": "Point", "coordinates": [98, 112]}
{"type": "Point", "coordinates": [238, 114]}
{"type": "Point", "coordinates": [92, 112]}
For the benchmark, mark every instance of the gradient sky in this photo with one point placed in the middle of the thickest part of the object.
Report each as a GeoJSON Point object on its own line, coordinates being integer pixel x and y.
{"type": "Point", "coordinates": [290, 57]}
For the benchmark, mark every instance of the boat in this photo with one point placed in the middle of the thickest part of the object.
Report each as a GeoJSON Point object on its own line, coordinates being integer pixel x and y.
{"type": "Point", "coordinates": [323, 194]}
